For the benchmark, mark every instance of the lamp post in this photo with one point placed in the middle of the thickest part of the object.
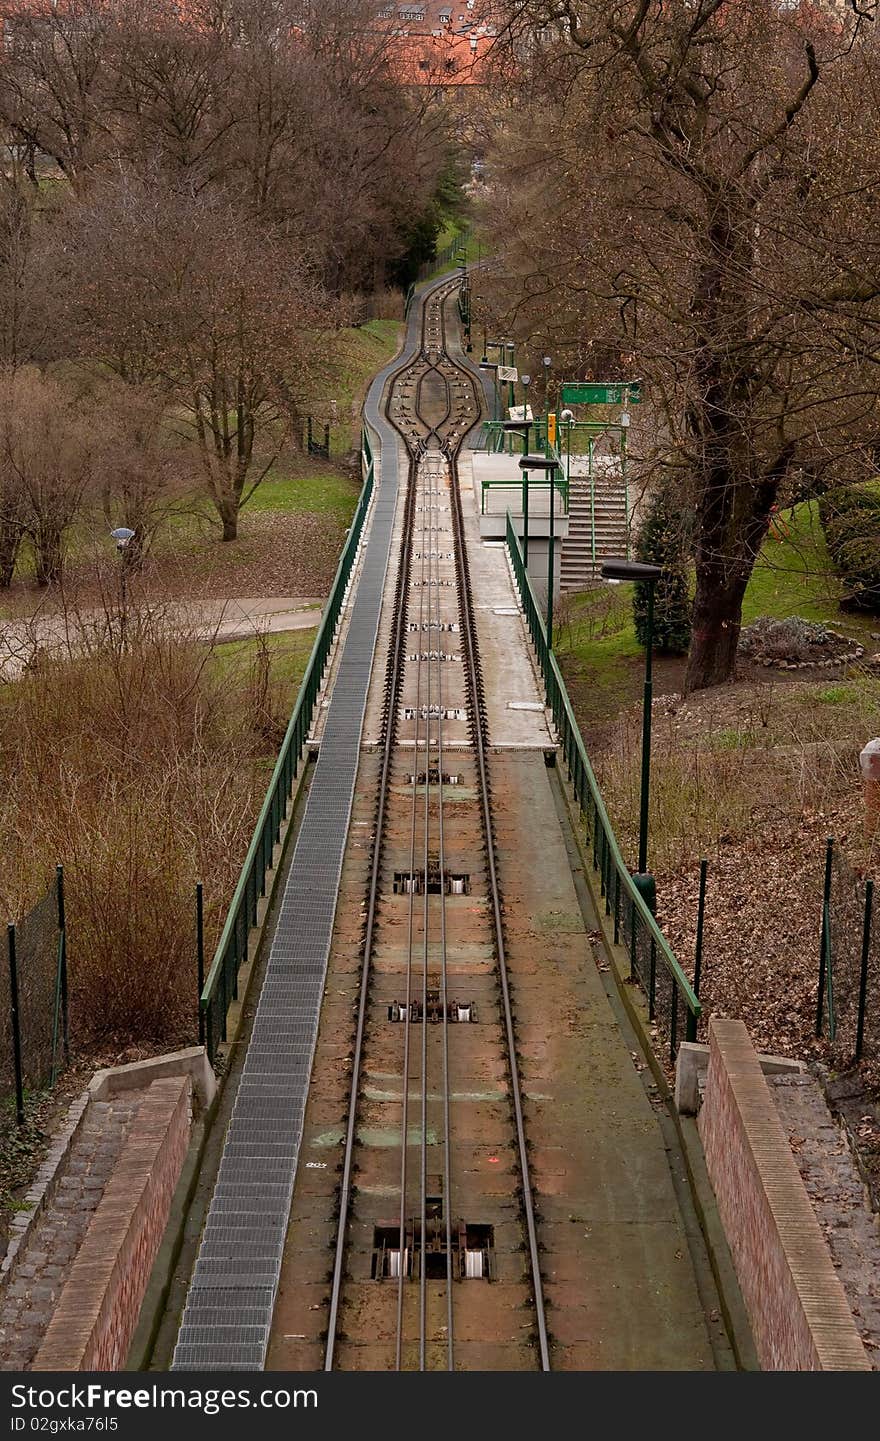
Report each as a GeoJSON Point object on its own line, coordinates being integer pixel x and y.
{"type": "Point", "coordinates": [122, 535]}
{"type": "Point", "coordinates": [619, 569]}
{"type": "Point", "coordinates": [547, 361]}
{"type": "Point", "coordinates": [511, 361]}
{"type": "Point", "coordinates": [522, 427]}
{"type": "Point", "coordinates": [488, 365]}
{"type": "Point", "coordinates": [549, 465]}
{"type": "Point", "coordinates": [465, 303]}
{"type": "Point", "coordinates": [567, 418]}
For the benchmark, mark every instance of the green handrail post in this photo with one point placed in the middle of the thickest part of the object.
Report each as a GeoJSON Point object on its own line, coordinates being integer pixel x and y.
{"type": "Point", "coordinates": [646, 736]}
{"type": "Point", "coordinates": [824, 940]}
{"type": "Point", "coordinates": [701, 914]}
{"type": "Point", "coordinates": [863, 971]}
{"type": "Point", "coordinates": [200, 956]}
{"type": "Point", "coordinates": [15, 1025]}
{"type": "Point", "coordinates": [62, 943]}
{"type": "Point", "coordinates": [551, 569]}
{"type": "Point", "coordinates": [592, 501]}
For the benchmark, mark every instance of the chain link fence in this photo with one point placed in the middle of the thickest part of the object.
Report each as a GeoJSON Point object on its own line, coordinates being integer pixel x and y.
{"type": "Point", "coordinates": [33, 999]}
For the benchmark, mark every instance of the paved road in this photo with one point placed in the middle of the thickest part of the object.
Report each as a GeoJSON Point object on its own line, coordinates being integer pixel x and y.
{"type": "Point", "coordinates": [221, 620]}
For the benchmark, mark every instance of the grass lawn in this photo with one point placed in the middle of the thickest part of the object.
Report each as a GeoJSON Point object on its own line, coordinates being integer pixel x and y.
{"type": "Point", "coordinates": [793, 575]}
{"type": "Point", "coordinates": [289, 651]}
{"type": "Point", "coordinates": [320, 491]}
{"type": "Point", "coordinates": [360, 353]}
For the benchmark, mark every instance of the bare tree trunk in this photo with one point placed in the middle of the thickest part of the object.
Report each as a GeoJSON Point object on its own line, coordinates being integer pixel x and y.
{"type": "Point", "coordinates": [10, 539]}
{"type": "Point", "coordinates": [227, 509]}
{"type": "Point", "coordinates": [47, 544]}
{"type": "Point", "coordinates": [716, 624]}
{"type": "Point", "coordinates": [732, 524]}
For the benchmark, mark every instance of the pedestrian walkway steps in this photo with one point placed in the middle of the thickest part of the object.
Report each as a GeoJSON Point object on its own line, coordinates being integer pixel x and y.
{"type": "Point", "coordinates": [597, 527]}
{"type": "Point", "coordinates": [28, 1298]}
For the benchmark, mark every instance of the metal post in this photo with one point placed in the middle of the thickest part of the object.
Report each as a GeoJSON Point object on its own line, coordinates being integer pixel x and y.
{"type": "Point", "coordinates": [550, 576]}
{"type": "Point", "coordinates": [525, 499]}
{"type": "Point", "coordinates": [14, 1021]}
{"type": "Point", "coordinates": [701, 912]}
{"type": "Point", "coordinates": [592, 500]}
{"type": "Point", "coordinates": [62, 926]}
{"type": "Point", "coordinates": [625, 485]}
{"type": "Point", "coordinates": [122, 618]}
{"type": "Point", "coordinates": [863, 976]}
{"type": "Point", "coordinates": [826, 898]}
{"type": "Point", "coordinates": [200, 955]}
{"type": "Point", "coordinates": [646, 736]}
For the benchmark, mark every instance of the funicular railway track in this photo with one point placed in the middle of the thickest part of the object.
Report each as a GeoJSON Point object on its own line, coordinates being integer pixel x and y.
{"type": "Point", "coordinates": [434, 1010]}
{"type": "Point", "coordinates": [373, 1203]}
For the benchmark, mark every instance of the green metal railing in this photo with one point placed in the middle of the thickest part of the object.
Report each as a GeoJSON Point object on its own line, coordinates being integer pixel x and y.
{"type": "Point", "coordinates": [560, 487]}
{"type": "Point", "coordinates": [671, 999]}
{"type": "Point", "coordinates": [221, 983]}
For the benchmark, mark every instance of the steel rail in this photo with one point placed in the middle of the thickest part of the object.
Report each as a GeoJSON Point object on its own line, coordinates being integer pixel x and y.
{"type": "Point", "coordinates": [470, 651]}
{"type": "Point", "coordinates": [372, 906]}
{"type": "Point", "coordinates": [404, 1142]}
{"type": "Point", "coordinates": [423, 1119]}
{"type": "Point", "coordinates": [444, 1011]}
{"type": "Point", "coordinates": [447, 448]}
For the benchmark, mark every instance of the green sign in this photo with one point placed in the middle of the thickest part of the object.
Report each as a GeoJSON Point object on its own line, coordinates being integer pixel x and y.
{"type": "Point", "coordinates": [614, 392]}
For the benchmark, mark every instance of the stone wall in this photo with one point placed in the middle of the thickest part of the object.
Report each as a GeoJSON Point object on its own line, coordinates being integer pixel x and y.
{"type": "Point", "coordinates": [98, 1308]}
{"type": "Point", "coordinates": [798, 1310]}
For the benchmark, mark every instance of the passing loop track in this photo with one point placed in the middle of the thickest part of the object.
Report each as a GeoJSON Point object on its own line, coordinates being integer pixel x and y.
{"type": "Point", "coordinates": [433, 403]}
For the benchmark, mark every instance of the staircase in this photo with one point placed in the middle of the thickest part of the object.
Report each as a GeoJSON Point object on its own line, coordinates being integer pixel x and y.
{"type": "Point", "coordinates": [577, 566]}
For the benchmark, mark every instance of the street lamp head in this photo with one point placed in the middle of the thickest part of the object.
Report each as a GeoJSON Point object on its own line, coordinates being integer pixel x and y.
{"type": "Point", "coordinates": [526, 379]}
{"type": "Point", "coordinates": [538, 462]}
{"type": "Point", "coordinates": [122, 535]}
{"type": "Point", "coordinates": [548, 361]}
{"type": "Point", "coordinates": [567, 415]}
{"type": "Point", "coordinates": [618, 568]}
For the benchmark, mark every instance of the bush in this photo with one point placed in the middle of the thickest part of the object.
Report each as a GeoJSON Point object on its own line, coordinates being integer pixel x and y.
{"type": "Point", "coordinates": [850, 518]}
{"type": "Point", "coordinates": [141, 771]}
{"type": "Point", "coordinates": [662, 541]}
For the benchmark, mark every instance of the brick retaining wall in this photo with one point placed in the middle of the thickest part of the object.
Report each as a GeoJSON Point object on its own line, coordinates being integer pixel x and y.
{"type": "Point", "coordinates": [797, 1306]}
{"type": "Point", "coordinates": [98, 1308]}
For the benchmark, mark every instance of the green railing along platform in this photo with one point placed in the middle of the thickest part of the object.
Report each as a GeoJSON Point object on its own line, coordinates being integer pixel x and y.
{"type": "Point", "coordinates": [221, 983]}
{"type": "Point", "coordinates": [671, 999]}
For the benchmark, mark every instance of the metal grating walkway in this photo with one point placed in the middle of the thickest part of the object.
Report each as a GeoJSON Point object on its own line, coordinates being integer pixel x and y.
{"type": "Point", "coordinates": [229, 1304]}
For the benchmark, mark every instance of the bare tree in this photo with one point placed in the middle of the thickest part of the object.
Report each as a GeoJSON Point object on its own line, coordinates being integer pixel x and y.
{"type": "Point", "coordinates": [140, 473]}
{"type": "Point", "coordinates": [54, 80]}
{"type": "Point", "coordinates": [47, 464]}
{"type": "Point", "coordinates": [709, 157]}
{"type": "Point", "coordinates": [217, 314]}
